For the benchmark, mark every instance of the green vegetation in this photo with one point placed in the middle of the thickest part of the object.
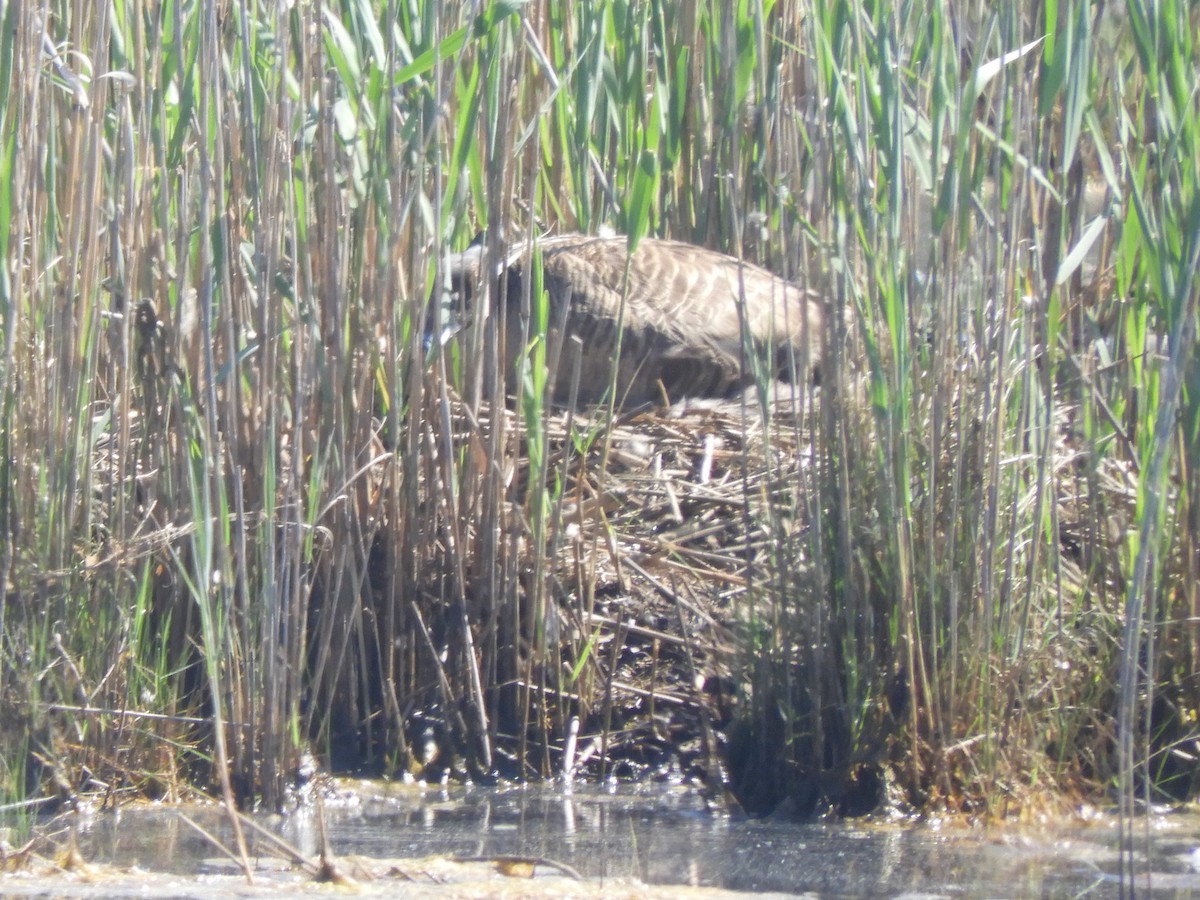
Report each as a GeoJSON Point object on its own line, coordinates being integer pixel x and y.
{"type": "Point", "coordinates": [238, 496]}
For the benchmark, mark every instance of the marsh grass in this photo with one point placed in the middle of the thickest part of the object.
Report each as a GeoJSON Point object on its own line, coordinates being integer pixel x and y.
{"type": "Point", "coordinates": [960, 573]}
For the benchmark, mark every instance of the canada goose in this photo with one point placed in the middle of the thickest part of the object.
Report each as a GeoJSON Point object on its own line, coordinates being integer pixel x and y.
{"type": "Point", "coordinates": [683, 319]}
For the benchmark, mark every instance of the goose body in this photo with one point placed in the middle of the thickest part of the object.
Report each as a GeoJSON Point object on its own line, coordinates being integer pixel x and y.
{"type": "Point", "coordinates": [685, 312]}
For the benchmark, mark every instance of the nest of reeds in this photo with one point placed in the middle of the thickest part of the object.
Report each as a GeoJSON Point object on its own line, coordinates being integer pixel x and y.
{"type": "Point", "coordinates": [640, 542]}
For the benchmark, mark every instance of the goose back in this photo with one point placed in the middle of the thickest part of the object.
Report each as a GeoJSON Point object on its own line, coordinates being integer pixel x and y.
{"type": "Point", "coordinates": [685, 313]}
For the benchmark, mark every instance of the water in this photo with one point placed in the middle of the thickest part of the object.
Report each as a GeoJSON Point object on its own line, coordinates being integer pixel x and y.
{"type": "Point", "coordinates": [661, 836]}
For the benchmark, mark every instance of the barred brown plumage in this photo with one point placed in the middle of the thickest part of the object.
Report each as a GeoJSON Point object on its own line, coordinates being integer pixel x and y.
{"type": "Point", "coordinates": [688, 314]}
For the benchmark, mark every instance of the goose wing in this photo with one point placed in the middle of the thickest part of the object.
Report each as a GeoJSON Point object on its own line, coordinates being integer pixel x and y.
{"type": "Point", "coordinates": [682, 299]}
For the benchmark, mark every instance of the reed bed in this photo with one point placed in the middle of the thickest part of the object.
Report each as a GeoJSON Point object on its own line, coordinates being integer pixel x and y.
{"type": "Point", "coordinates": [247, 513]}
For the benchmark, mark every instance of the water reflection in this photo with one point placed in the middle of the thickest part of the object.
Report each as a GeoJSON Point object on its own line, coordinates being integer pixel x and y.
{"type": "Point", "coordinates": [665, 836]}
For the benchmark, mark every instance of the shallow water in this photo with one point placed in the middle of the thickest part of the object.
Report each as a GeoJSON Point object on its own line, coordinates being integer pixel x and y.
{"type": "Point", "coordinates": [664, 836]}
